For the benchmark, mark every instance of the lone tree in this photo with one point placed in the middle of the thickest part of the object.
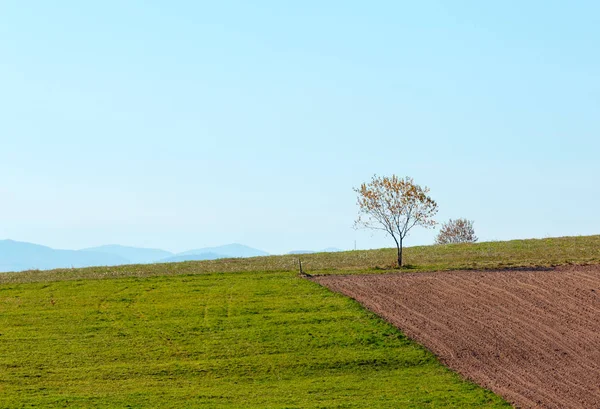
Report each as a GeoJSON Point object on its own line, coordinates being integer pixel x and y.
{"type": "Point", "coordinates": [394, 205]}
{"type": "Point", "coordinates": [456, 231]}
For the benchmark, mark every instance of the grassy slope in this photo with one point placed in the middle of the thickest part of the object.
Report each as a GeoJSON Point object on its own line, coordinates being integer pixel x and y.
{"type": "Point", "coordinates": [175, 335]}
{"type": "Point", "coordinates": [247, 340]}
{"type": "Point", "coordinates": [516, 253]}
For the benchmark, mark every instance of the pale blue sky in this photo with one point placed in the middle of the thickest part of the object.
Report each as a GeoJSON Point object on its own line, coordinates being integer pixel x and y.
{"type": "Point", "coordinates": [183, 124]}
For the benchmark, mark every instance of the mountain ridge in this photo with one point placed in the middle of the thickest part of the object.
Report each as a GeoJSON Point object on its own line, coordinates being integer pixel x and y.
{"type": "Point", "coordinates": [229, 250]}
{"type": "Point", "coordinates": [136, 255]}
{"type": "Point", "coordinates": [20, 256]}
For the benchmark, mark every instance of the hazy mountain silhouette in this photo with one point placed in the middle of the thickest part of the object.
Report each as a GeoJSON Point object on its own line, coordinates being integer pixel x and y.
{"type": "Point", "coordinates": [192, 257]}
{"type": "Point", "coordinates": [19, 256]}
{"type": "Point", "coordinates": [135, 255]}
{"type": "Point", "coordinates": [327, 250]}
{"type": "Point", "coordinates": [228, 250]}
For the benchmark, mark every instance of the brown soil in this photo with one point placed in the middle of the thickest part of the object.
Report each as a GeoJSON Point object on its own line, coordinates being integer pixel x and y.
{"type": "Point", "coordinates": [532, 337]}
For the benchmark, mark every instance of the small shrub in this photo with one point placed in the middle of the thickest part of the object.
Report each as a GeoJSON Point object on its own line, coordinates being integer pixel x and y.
{"type": "Point", "coordinates": [456, 231]}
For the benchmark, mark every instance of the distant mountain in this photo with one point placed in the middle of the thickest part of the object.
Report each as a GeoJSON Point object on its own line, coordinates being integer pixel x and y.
{"type": "Point", "coordinates": [135, 255]}
{"type": "Point", "coordinates": [327, 250]}
{"type": "Point", "coordinates": [228, 250]}
{"type": "Point", "coordinates": [331, 250]}
{"type": "Point", "coordinates": [192, 257]}
{"type": "Point", "coordinates": [19, 256]}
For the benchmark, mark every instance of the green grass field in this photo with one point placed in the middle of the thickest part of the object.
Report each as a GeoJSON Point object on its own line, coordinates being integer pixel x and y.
{"type": "Point", "coordinates": [245, 333]}
{"type": "Point", "coordinates": [247, 340]}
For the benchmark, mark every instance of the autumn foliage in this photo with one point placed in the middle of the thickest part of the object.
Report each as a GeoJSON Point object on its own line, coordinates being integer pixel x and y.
{"type": "Point", "coordinates": [456, 231]}
{"type": "Point", "coordinates": [394, 205]}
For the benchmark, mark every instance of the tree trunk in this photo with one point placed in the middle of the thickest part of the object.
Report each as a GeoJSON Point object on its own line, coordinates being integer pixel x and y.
{"type": "Point", "coordinates": [399, 247]}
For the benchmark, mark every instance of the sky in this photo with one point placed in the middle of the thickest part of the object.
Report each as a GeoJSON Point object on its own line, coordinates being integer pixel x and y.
{"type": "Point", "coordinates": [185, 124]}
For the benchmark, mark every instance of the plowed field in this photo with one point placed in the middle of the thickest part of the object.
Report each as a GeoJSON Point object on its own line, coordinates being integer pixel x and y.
{"type": "Point", "coordinates": [533, 337]}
